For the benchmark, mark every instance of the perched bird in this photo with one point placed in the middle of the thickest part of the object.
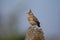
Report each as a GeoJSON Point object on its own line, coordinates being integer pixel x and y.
{"type": "Point", "coordinates": [32, 19]}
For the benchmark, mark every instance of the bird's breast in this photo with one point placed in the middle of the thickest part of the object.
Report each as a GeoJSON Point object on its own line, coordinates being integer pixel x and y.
{"type": "Point", "coordinates": [31, 20]}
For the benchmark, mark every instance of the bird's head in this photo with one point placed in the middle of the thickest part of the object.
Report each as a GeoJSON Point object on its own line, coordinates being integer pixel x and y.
{"type": "Point", "coordinates": [30, 13]}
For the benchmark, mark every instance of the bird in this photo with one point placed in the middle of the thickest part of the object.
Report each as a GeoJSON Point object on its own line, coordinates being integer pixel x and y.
{"type": "Point", "coordinates": [32, 19]}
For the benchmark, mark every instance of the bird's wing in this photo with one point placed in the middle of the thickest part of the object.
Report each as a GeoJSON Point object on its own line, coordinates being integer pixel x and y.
{"type": "Point", "coordinates": [36, 20]}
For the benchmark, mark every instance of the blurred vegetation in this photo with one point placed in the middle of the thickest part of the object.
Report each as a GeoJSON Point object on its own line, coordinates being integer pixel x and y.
{"type": "Point", "coordinates": [13, 38]}
{"type": "Point", "coordinates": [12, 29]}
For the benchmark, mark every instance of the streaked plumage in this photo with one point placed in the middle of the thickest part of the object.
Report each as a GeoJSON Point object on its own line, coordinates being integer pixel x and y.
{"type": "Point", "coordinates": [32, 19]}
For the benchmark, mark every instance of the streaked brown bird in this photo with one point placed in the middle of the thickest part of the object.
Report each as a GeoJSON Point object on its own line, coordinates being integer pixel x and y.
{"type": "Point", "coordinates": [32, 19]}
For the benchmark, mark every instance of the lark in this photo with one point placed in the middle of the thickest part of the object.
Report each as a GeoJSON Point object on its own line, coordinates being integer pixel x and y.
{"type": "Point", "coordinates": [32, 19]}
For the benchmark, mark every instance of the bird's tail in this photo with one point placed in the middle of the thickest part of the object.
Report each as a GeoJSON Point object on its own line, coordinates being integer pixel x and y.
{"type": "Point", "coordinates": [38, 25]}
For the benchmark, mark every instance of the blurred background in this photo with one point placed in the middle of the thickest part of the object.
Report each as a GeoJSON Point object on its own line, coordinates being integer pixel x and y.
{"type": "Point", "coordinates": [14, 23]}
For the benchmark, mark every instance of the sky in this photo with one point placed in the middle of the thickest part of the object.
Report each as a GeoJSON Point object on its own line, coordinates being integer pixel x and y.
{"type": "Point", "coordinates": [47, 12]}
